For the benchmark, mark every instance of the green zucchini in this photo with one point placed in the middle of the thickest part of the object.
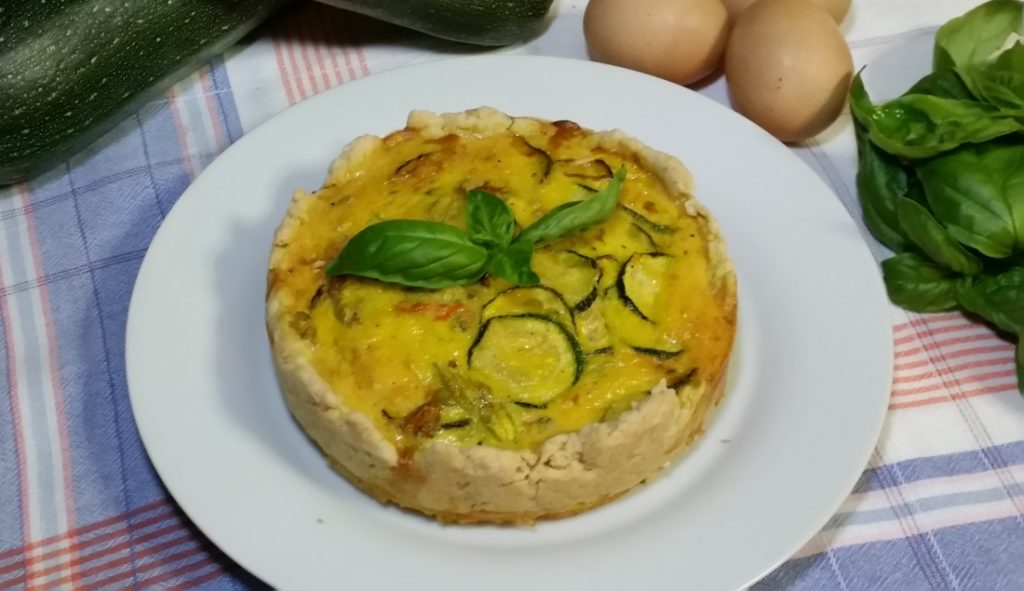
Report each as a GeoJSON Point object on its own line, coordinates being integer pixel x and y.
{"type": "Point", "coordinates": [641, 280]}
{"type": "Point", "coordinates": [657, 353]}
{"type": "Point", "coordinates": [609, 267]}
{"type": "Point", "coordinates": [619, 237]}
{"type": "Point", "coordinates": [587, 170]}
{"type": "Point", "coordinates": [539, 300]}
{"type": "Point", "coordinates": [70, 70]}
{"type": "Point", "coordinates": [526, 358]}
{"type": "Point", "coordinates": [683, 381]}
{"type": "Point", "coordinates": [592, 332]}
{"type": "Point", "coordinates": [540, 157]}
{"type": "Point", "coordinates": [480, 22]}
{"type": "Point", "coordinates": [570, 273]}
{"type": "Point", "coordinates": [642, 335]}
{"type": "Point", "coordinates": [647, 223]}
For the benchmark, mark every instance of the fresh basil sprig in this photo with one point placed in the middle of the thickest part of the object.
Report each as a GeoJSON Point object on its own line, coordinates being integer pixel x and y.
{"type": "Point", "coordinates": [435, 255]}
{"type": "Point", "coordinates": [414, 253]}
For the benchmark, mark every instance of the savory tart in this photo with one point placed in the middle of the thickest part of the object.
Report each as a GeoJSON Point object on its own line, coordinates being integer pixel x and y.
{"type": "Point", "coordinates": [490, 399]}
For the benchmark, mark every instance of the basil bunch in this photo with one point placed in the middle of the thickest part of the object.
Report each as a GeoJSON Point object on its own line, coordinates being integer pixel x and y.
{"type": "Point", "coordinates": [941, 174]}
{"type": "Point", "coordinates": [434, 255]}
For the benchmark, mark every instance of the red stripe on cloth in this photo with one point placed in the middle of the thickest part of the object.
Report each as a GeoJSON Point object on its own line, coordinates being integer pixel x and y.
{"type": "Point", "coordinates": [362, 60]}
{"type": "Point", "coordinates": [966, 380]}
{"type": "Point", "coordinates": [980, 336]}
{"type": "Point", "coordinates": [51, 344]}
{"type": "Point", "coordinates": [220, 135]}
{"type": "Point", "coordinates": [340, 33]}
{"type": "Point", "coordinates": [999, 389]}
{"type": "Point", "coordinates": [345, 53]}
{"type": "Point", "coordinates": [179, 127]}
{"type": "Point", "coordinates": [19, 435]}
{"type": "Point", "coordinates": [302, 42]}
{"type": "Point", "coordinates": [330, 40]}
{"type": "Point", "coordinates": [195, 581]}
{"type": "Point", "coordinates": [94, 546]}
{"type": "Point", "coordinates": [927, 320]}
{"type": "Point", "coordinates": [192, 567]}
{"type": "Point", "coordinates": [86, 529]}
{"type": "Point", "coordinates": [178, 537]}
{"type": "Point", "coordinates": [319, 34]}
{"type": "Point", "coordinates": [293, 65]}
{"type": "Point", "coordinates": [958, 327]}
{"type": "Point", "coordinates": [952, 355]}
{"type": "Point", "coordinates": [125, 577]}
{"type": "Point", "coordinates": [117, 563]}
{"type": "Point", "coordinates": [949, 370]}
{"type": "Point", "coordinates": [349, 34]}
{"type": "Point", "coordinates": [282, 70]}
{"type": "Point", "coordinates": [332, 53]}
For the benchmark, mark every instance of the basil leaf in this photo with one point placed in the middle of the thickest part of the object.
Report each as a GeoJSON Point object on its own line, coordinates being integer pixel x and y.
{"type": "Point", "coordinates": [929, 235]}
{"type": "Point", "coordinates": [999, 82]}
{"type": "Point", "coordinates": [977, 193]}
{"type": "Point", "coordinates": [977, 34]}
{"type": "Point", "coordinates": [881, 180]}
{"type": "Point", "coordinates": [996, 298]}
{"type": "Point", "coordinates": [920, 126]}
{"type": "Point", "coordinates": [944, 83]}
{"type": "Point", "coordinates": [915, 283]}
{"type": "Point", "coordinates": [414, 253]}
{"type": "Point", "coordinates": [489, 220]}
{"type": "Point", "coordinates": [575, 215]}
{"type": "Point", "coordinates": [513, 264]}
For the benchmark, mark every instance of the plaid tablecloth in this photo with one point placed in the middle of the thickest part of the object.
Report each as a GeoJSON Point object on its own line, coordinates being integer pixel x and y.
{"type": "Point", "coordinates": [940, 505]}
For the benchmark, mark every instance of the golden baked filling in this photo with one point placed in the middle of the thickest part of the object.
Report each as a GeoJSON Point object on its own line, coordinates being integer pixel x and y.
{"type": "Point", "coordinates": [620, 307]}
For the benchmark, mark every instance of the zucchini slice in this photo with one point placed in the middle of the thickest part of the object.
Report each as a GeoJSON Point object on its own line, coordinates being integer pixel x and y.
{"type": "Point", "coordinates": [571, 274]}
{"type": "Point", "coordinates": [647, 223]}
{"type": "Point", "coordinates": [609, 267]}
{"type": "Point", "coordinates": [641, 280]}
{"type": "Point", "coordinates": [657, 353]}
{"type": "Point", "coordinates": [643, 336]}
{"type": "Point", "coordinates": [592, 332]}
{"type": "Point", "coordinates": [619, 237]}
{"type": "Point", "coordinates": [537, 300]}
{"type": "Point", "coordinates": [526, 358]}
{"type": "Point", "coordinates": [541, 158]}
{"type": "Point", "coordinates": [593, 169]}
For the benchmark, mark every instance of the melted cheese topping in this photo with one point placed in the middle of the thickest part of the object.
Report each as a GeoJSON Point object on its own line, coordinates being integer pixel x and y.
{"type": "Point", "coordinates": [400, 355]}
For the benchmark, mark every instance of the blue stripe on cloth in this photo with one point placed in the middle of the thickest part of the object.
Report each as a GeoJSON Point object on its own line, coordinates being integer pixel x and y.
{"type": "Point", "coordinates": [164, 160]}
{"type": "Point", "coordinates": [967, 462]}
{"type": "Point", "coordinates": [892, 564]}
{"type": "Point", "coordinates": [890, 513]}
{"type": "Point", "coordinates": [929, 555]}
{"type": "Point", "coordinates": [226, 107]}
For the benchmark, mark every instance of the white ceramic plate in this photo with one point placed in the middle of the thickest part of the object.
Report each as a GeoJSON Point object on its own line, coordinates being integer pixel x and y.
{"type": "Point", "coordinates": [805, 401]}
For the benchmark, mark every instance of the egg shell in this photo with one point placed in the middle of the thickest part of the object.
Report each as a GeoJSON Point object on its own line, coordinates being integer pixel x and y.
{"type": "Point", "coordinates": [678, 40]}
{"type": "Point", "coordinates": [837, 8]}
{"type": "Point", "coordinates": [788, 68]}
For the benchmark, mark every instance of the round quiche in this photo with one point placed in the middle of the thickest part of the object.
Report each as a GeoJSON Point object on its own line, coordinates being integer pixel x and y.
{"type": "Point", "coordinates": [495, 401]}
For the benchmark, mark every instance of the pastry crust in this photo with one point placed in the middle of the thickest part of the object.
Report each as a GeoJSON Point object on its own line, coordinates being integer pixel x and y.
{"type": "Point", "coordinates": [570, 472]}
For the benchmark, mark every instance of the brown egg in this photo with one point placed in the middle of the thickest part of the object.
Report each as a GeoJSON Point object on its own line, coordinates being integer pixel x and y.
{"type": "Point", "coordinates": [837, 8]}
{"type": "Point", "coordinates": [788, 68]}
{"type": "Point", "coordinates": [679, 40]}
